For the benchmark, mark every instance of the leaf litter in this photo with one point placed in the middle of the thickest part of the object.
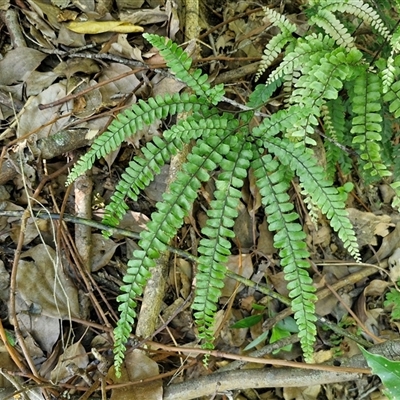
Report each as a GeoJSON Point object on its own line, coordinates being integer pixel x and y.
{"type": "Point", "coordinates": [83, 95]}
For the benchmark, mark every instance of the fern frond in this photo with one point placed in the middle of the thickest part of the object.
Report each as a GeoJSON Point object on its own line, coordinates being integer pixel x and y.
{"type": "Point", "coordinates": [163, 226]}
{"type": "Point", "coordinates": [334, 28]}
{"type": "Point", "coordinates": [180, 63]}
{"type": "Point", "coordinates": [388, 74]}
{"type": "Point", "coordinates": [367, 121]}
{"type": "Point", "coordinates": [141, 169]}
{"type": "Point", "coordinates": [323, 82]}
{"type": "Point", "coordinates": [393, 97]}
{"type": "Point", "coordinates": [359, 9]}
{"type": "Point", "coordinates": [130, 121]}
{"type": "Point", "coordinates": [273, 182]}
{"type": "Point", "coordinates": [298, 59]}
{"type": "Point", "coordinates": [278, 42]}
{"type": "Point", "coordinates": [333, 114]}
{"type": "Point", "coordinates": [215, 246]}
{"type": "Point", "coordinates": [321, 191]}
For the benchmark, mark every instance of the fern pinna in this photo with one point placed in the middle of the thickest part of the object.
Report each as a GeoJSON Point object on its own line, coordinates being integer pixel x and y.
{"type": "Point", "coordinates": [314, 73]}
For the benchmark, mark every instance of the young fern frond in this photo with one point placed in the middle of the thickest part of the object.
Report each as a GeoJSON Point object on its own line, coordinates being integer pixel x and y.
{"type": "Point", "coordinates": [323, 82]}
{"type": "Point", "coordinates": [278, 42]}
{"type": "Point", "coordinates": [130, 121]}
{"type": "Point", "coordinates": [273, 181]}
{"type": "Point", "coordinates": [215, 246]}
{"type": "Point", "coordinates": [334, 28]}
{"type": "Point", "coordinates": [393, 98]}
{"type": "Point", "coordinates": [298, 59]}
{"type": "Point", "coordinates": [359, 9]}
{"type": "Point", "coordinates": [180, 64]}
{"type": "Point", "coordinates": [367, 121]}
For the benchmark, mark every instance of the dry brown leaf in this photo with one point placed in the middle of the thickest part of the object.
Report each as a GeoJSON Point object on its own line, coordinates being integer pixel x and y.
{"type": "Point", "coordinates": [103, 250]}
{"type": "Point", "coordinates": [30, 119]}
{"type": "Point", "coordinates": [243, 228]}
{"type": "Point", "coordinates": [43, 282]}
{"type": "Point", "coordinates": [93, 27]}
{"type": "Point", "coordinates": [302, 393]}
{"type": "Point", "coordinates": [233, 337]}
{"type": "Point", "coordinates": [368, 225]}
{"type": "Point", "coordinates": [137, 366]}
{"type": "Point", "coordinates": [265, 243]}
{"type": "Point", "coordinates": [74, 355]}
{"type": "Point", "coordinates": [18, 64]}
{"type": "Point", "coordinates": [242, 265]}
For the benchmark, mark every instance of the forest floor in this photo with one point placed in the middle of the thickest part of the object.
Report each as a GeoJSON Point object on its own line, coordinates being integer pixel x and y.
{"type": "Point", "coordinates": [59, 277]}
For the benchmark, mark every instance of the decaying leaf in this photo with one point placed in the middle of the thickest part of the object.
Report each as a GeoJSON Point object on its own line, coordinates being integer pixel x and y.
{"type": "Point", "coordinates": [74, 356]}
{"type": "Point", "coordinates": [137, 366]}
{"type": "Point", "coordinates": [43, 282]}
{"type": "Point", "coordinates": [239, 265]}
{"type": "Point", "coordinates": [368, 226]}
{"type": "Point", "coordinates": [93, 27]}
{"type": "Point", "coordinates": [103, 250]}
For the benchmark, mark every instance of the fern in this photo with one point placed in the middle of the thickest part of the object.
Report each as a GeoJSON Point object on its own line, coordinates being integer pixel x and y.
{"type": "Point", "coordinates": [334, 28]}
{"type": "Point", "coordinates": [215, 246]}
{"type": "Point", "coordinates": [329, 84]}
{"type": "Point", "coordinates": [367, 121]}
{"type": "Point", "coordinates": [180, 64]}
{"type": "Point", "coordinates": [277, 43]}
{"type": "Point", "coordinates": [273, 181]}
{"type": "Point", "coordinates": [132, 120]}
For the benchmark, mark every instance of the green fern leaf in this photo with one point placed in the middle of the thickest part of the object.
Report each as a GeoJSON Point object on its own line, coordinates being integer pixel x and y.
{"type": "Point", "coordinates": [278, 42]}
{"type": "Point", "coordinates": [215, 246]}
{"type": "Point", "coordinates": [393, 97]}
{"type": "Point", "coordinates": [130, 121]}
{"type": "Point", "coordinates": [273, 181]}
{"type": "Point", "coordinates": [164, 224]}
{"type": "Point", "coordinates": [359, 9]}
{"type": "Point", "coordinates": [321, 191]}
{"type": "Point", "coordinates": [156, 153]}
{"type": "Point", "coordinates": [333, 27]}
{"type": "Point", "coordinates": [180, 64]}
{"type": "Point", "coordinates": [367, 122]}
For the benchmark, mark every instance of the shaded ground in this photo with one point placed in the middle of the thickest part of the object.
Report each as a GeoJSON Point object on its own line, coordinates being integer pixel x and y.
{"type": "Point", "coordinates": [59, 280]}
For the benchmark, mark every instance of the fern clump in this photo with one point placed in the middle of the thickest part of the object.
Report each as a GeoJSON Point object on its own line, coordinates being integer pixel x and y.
{"type": "Point", "coordinates": [325, 78]}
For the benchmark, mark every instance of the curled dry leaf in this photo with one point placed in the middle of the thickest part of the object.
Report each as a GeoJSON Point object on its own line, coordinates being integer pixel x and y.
{"type": "Point", "coordinates": [93, 27]}
{"type": "Point", "coordinates": [368, 225]}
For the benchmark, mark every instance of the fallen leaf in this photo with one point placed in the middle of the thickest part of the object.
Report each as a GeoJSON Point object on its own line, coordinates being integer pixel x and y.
{"type": "Point", "coordinates": [75, 355]}
{"type": "Point", "coordinates": [242, 265]}
{"type": "Point", "coordinates": [93, 27]}
{"type": "Point", "coordinates": [43, 282]}
{"type": "Point", "coordinates": [137, 366]}
{"type": "Point", "coordinates": [18, 64]}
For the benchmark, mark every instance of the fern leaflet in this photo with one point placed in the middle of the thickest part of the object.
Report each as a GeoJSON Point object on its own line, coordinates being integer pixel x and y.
{"type": "Point", "coordinates": [322, 193]}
